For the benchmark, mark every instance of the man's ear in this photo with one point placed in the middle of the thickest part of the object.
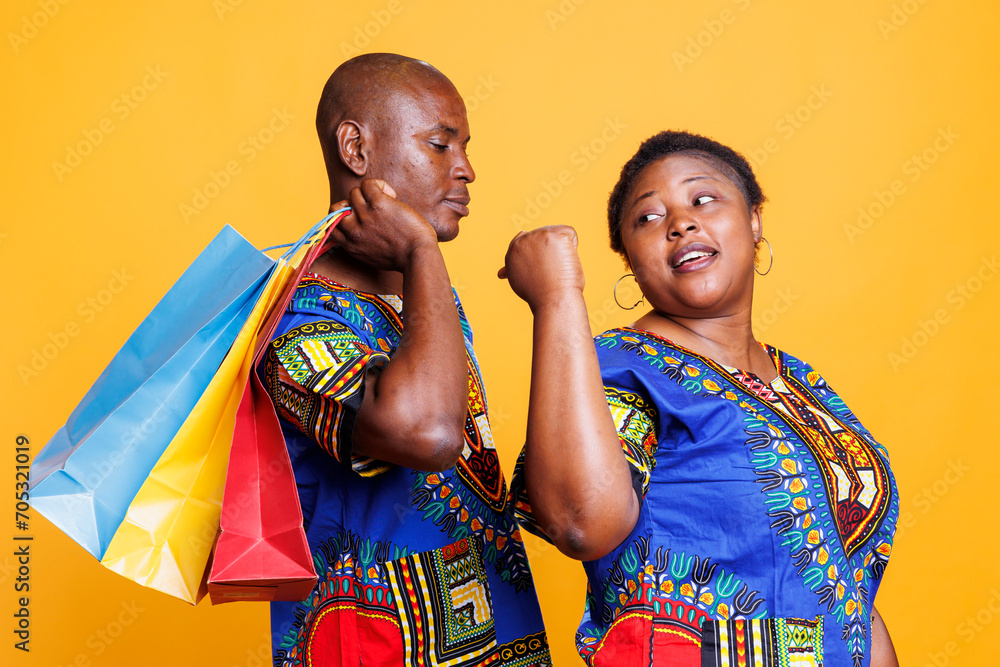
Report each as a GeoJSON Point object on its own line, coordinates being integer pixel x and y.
{"type": "Point", "coordinates": [351, 147]}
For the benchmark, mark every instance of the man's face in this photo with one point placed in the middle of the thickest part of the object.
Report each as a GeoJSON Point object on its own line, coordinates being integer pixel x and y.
{"type": "Point", "coordinates": [419, 150]}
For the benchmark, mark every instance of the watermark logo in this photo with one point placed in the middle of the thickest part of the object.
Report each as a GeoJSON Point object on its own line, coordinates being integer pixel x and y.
{"type": "Point", "coordinates": [121, 107]}
{"type": "Point", "coordinates": [931, 494]}
{"type": "Point", "coordinates": [900, 16]}
{"type": "Point", "coordinates": [248, 149]}
{"type": "Point", "coordinates": [969, 629]}
{"type": "Point", "coordinates": [88, 309]}
{"type": "Point", "coordinates": [99, 641]}
{"type": "Point", "coordinates": [223, 7]}
{"type": "Point", "coordinates": [562, 12]}
{"type": "Point", "coordinates": [766, 318]}
{"type": "Point", "coordinates": [363, 35]}
{"type": "Point", "coordinates": [957, 298]}
{"type": "Point", "coordinates": [698, 43]}
{"type": "Point", "coordinates": [581, 158]}
{"type": "Point", "coordinates": [914, 168]}
{"type": "Point", "coordinates": [485, 87]}
{"type": "Point", "coordinates": [30, 25]}
{"type": "Point", "coordinates": [790, 123]}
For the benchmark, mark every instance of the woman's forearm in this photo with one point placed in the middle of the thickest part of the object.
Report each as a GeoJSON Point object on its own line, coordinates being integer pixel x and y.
{"type": "Point", "coordinates": [577, 478]}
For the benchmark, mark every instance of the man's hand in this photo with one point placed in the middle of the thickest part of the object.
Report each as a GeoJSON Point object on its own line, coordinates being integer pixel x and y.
{"type": "Point", "coordinates": [413, 411]}
{"type": "Point", "coordinates": [543, 265]}
{"type": "Point", "coordinates": [381, 231]}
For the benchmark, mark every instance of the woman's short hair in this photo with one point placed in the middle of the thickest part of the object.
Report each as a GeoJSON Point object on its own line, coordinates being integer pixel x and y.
{"type": "Point", "coordinates": [721, 157]}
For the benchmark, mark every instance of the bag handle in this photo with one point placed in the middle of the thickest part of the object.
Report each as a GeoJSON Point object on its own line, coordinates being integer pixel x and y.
{"type": "Point", "coordinates": [294, 247]}
{"type": "Point", "coordinates": [318, 239]}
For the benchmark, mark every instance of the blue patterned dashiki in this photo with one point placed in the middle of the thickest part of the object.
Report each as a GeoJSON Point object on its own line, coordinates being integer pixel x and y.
{"type": "Point", "coordinates": [767, 517]}
{"type": "Point", "coordinates": [414, 567]}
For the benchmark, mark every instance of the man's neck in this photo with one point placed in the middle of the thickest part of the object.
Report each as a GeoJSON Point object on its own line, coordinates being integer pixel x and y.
{"type": "Point", "coordinates": [340, 267]}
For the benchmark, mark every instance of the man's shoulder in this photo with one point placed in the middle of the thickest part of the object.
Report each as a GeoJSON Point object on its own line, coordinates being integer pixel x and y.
{"type": "Point", "coordinates": [374, 318]}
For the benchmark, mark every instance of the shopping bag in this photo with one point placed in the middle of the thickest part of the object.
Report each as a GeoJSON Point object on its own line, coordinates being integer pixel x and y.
{"type": "Point", "coordinates": [89, 472]}
{"type": "Point", "coordinates": [262, 552]}
{"type": "Point", "coordinates": [166, 537]}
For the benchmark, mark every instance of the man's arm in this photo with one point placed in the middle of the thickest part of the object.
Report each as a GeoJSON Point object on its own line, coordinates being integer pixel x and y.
{"type": "Point", "coordinates": [413, 410]}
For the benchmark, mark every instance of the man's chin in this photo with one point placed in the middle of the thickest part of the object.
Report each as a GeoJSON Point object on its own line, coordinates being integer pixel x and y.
{"type": "Point", "coordinates": [446, 226]}
{"type": "Point", "coordinates": [451, 235]}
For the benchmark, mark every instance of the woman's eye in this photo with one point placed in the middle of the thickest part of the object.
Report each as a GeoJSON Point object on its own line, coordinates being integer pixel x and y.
{"type": "Point", "coordinates": [703, 199]}
{"type": "Point", "coordinates": [648, 217]}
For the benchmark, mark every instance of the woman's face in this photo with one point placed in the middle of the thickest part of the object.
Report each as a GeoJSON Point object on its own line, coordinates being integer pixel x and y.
{"type": "Point", "coordinates": [690, 239]}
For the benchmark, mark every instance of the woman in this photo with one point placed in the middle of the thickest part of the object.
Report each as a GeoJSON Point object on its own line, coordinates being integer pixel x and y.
{"type": "Point", "coordinates": [728, 507]}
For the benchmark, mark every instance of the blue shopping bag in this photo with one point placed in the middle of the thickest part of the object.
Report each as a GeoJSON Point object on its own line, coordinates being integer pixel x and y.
{"type": "Point", "coordinates": [87, 475]}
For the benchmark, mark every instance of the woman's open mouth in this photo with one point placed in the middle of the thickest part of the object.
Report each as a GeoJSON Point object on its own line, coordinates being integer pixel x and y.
{"type": "Point", "coordinates": [693, 257]}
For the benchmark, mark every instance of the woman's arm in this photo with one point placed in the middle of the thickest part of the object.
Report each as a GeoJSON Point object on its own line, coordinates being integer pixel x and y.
{"type": "Point", "coordinates": [883, 652]}
{"type": "Point", "coordinates": [577, 479]}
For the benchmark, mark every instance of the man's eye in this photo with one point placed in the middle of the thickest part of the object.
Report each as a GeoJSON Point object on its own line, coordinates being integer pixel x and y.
{"type": "Point", "coordinates": [440, 147]}
{"type": "Point", "coordinates": [704, 199]}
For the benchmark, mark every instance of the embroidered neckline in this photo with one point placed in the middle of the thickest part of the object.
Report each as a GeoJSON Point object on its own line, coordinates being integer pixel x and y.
{"type": "Point", "coordinates": [776, 393]}
{"type": "Point", "coordinates": [772, 352]}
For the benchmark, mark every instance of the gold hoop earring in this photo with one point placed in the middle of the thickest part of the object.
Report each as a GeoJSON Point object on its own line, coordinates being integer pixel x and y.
{"type": "Point", "coordinates": [769, 264]}
{"type": "Point", "coordinates": [615, 293]}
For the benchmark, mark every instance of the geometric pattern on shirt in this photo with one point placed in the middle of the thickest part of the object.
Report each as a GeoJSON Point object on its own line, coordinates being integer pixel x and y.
{"type": "Point", "coordinates": [804, 513]}
{"type": "Point", "coordinates": [635, 421]}
{"type": "Point", "coordinates": [771, 642]}
{"type": "Point", "coordinates": [479, 464]}
{"type": "Point", "coordinates": [315, 373]}
{"type": "Point", "coordinates": [352, 582]}
{"type": "Point", "coordinates": [836, 444]}
{"type": "Point", "coordinates": [675, 592]}
{"type": "Point", "coordinates": [476, 505]}
{"type": "Point", "coordinates": [455, 509]}
{"type": "Point", "coordinates": [378, 323]}
{"type": "Point", "coordinates": [526, 652]}
{"type": "Point", "coordinates": [444, 605]}
{"type": "Point", "coordinates": [856, 478]}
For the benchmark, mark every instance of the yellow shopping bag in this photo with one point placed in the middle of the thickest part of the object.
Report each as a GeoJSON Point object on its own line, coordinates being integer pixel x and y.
{"type": "Point", "coordinates": [167, 535]}
{"type": "Point", "coordinates": [166, 538]}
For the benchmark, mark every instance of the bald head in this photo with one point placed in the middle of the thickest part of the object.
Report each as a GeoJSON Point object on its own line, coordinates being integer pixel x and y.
{"type": "Point", "coordinates": [399, 119]}
{"type": "Point", "coordinates": [366, 89]}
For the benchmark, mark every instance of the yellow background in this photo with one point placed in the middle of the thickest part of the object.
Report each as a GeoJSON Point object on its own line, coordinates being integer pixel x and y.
{"type": "Point", "coordinates": [544, 80]}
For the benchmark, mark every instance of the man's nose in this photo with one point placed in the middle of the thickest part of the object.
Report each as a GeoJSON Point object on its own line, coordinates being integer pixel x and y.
{"type": "Point", "coordinates": [463, 170]}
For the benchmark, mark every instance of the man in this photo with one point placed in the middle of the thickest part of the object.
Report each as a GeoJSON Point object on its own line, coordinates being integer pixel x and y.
{"type": "Point", "coordinates": [373, 373]}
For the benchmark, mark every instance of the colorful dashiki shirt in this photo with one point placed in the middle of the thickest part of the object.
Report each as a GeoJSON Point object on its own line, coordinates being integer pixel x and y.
{"type": "Point", "coordinates": [767, 516]}
{"type": "Point", "coordinates": [415, 568]}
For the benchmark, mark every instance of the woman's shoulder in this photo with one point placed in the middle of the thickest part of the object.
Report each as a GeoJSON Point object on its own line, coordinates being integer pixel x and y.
{"type": "Point", "coordinates": [642, 361]}
{"type": "Point", "coordinates": [789, 360]}
{"type": "Point", "coordinates": [644, 349]}
{"type": "Point", "coordinates": [628, 339]}
{"type": "Point", "coordinates": [808, 378]}
{"type": "Point", "coordinates": [627, 347]}
{"type": "Point", "coordinates": [790, 366]}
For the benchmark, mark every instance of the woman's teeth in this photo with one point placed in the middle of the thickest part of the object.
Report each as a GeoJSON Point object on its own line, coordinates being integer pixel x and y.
{"type": "Point", "coordinates": [694, 254]}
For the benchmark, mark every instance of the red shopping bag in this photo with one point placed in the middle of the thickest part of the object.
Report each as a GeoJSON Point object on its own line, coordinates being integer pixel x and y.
{"type": "Point", "coordinates": [262, 553]}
